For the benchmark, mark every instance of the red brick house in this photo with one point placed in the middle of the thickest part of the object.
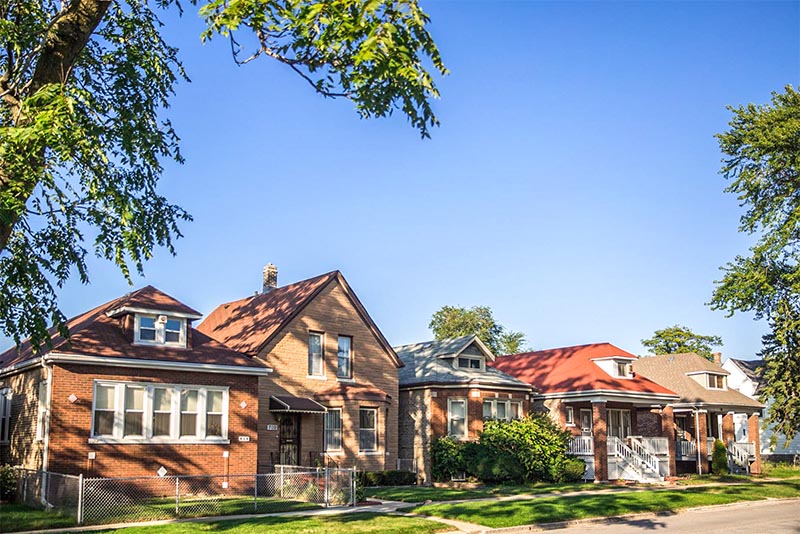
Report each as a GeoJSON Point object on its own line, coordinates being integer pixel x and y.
{"type": "Point", "coordinates": [622, 423]}
{"type": "Point", "coordinates": [448, 388]}
{"type": "Point", "coordinates": [135, 389]}
{"type": "Point", "coordinates": [332, 398]}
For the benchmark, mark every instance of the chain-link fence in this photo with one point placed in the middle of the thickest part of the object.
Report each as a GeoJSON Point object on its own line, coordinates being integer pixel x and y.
{"type": "Point", "coordinates": [49, 491]}
{"type": "Point", "coordinates": [117, 500]}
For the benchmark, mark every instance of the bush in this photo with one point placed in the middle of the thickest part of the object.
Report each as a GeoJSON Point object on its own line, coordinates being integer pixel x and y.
{"type": "Point", "coordinates": [719, 459]}
{"type": "Point", "coordinates": [527, 450]}
{"type": "Point", "coordinates": [8, 483]}
{"type": "Point", "coordinates": [386, 478]}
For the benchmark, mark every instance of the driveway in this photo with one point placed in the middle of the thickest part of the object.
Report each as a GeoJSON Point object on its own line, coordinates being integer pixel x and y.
{"type": "Point", "coordinates": [773, 517]}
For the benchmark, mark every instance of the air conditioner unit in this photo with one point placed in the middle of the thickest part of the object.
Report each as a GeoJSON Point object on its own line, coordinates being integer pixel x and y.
{"type": "Point", "coordinates": [162, 319]}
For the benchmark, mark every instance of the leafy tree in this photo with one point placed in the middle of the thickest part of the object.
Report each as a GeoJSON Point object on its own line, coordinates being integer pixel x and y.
{"type": "Point", "coordinates": [679, 339]}
{"type": "Point", "coordinates": [453, 321]}
{"type": "Point", "coordinates": [762, 160]}
{"type": "Point", "coordinates": [84, 85]}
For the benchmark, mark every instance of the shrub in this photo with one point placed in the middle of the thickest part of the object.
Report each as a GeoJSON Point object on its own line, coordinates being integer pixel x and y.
{"type": "Point", "coordinates": [387, 478]}
{"type": "Point", "coordinates": [447, 458]}
{"type": "Point", "coordinates": [719, 459]}
{"type": "Point", "coordinates": [8, 483]}
{"type": "Point", "coordinates": [574, 469]}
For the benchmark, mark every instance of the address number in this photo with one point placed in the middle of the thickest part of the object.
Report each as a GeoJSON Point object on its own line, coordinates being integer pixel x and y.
{"type": "Point", "coordinates": [244, 438]}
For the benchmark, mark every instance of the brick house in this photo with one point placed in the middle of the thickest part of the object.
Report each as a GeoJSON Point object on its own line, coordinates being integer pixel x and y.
{"type": "Point", "coordinates": [135, 388]}
{"type": "Point", "coordinates": [621, 422]}
{"type": "Point", "coordinates": [746, 377]}
{"type": "Point", "coordinates": [708, 409]}
{"type": "Point", "coordinates": [332, 397]}
{"type": "Point", "coordinates": [447, 388]}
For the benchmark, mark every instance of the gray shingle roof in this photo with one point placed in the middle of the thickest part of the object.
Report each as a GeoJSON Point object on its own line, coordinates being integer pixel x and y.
{"type": "Point", "coordinates": [752, 369]}
{"type": "Point", "coordinates": [670, 370]}
{"type": "Point", "coordinates": [431, 362]}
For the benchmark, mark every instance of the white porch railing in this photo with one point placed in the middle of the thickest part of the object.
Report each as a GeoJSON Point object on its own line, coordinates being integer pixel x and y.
{"type": "Point", "coordinates": [581, 445]}
{"type": "Point", "coordinates": [686, 449]}
{"type": "Point", "coordinates": [655, 445]}
{"type": "Point", "coordinates": [710, 445]}
{"type": "Point", "coordinates": [748, 447]}
{"type": "Point", "coordinates": [738, 457]}
{"type": "Point", "coordinates": [647, 457]}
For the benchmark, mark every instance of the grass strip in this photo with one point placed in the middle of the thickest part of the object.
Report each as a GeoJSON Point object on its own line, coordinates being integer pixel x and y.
{"type": "Point", "coordinates": [550, 509]}
{"type": "Point", "coordinates": [426, 493]}
{"type": "Point", "coordinates": [15, 517]}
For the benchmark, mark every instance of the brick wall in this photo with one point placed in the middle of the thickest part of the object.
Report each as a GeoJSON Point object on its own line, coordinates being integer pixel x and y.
{"type": "Point", "coordinates": [23, 449]}
{"type": "Point", "coordinates": [70, 426]}
{"type": "Point", "coordinates": [331, 313]}
{"type": "Point", "coordinates": [474, 398]}
{"type": "Point", "coordinates": [415, 431]}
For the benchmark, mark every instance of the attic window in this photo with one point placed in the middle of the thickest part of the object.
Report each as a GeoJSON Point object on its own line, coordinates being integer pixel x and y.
{"type": "Point", "coordinates": [622, 369]}
{"type": "Point", "coordinates": [716, 381]}
{"type": "Point", "coordinates": [469, 363]}
{"type": "Point", "coordinates": [160, 330]}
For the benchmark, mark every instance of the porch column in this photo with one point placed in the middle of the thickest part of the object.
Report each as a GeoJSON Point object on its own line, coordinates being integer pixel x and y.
{"type": "Point", "coordinates": [668, 431]}
{"type": "Point", "coordinates": [599, 435]}
{"type": "Point", "coordinates": [728, 429]}
{"type": "Point", "coordinates": [702, 440]}
{"type": "Point", "coordinates": [754, 431]}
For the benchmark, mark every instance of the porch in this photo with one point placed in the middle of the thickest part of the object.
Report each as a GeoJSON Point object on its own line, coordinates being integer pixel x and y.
{"type": "Point", "coordinates": [640, 458]}
{"type": "Point", "coordinates": [696, 432]}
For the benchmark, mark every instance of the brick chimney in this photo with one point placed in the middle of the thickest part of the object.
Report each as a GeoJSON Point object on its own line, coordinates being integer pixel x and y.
{"type": "Point", "coordinates": [270, 280]}
{"type": "Point", "coordinates": [717, 357]}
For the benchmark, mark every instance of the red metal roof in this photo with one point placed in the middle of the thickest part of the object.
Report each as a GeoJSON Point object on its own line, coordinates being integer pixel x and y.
{"type": "Point", "coordinates": [571, 369]}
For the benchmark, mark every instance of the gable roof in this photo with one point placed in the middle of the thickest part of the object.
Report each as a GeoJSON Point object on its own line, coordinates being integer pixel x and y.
{"type": "Point", "coordinates": [97, 333]}
{"type": "Point", "coordinates": [752, 369]}
{"type": "Point", "coordinates": [571, 369]}
{"type": "Point", "coordinates": [674, 370]}
{"type": "Point", "coordinates": [249, 324]}
{"type": "Point", "coordinates": [430, 363]}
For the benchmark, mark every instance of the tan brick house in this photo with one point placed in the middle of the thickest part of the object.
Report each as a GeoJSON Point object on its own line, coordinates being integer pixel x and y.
{"type": "Point", "coordinates": [135, 389]}
{"type": "Point", "coordinates": [708, 409]}
{"type": "Point", "coordinates": [621, 422]}
{"type": "Point", "coordinates": [333, 396]}
{"type": "Point", "coordinates": [447, 388]}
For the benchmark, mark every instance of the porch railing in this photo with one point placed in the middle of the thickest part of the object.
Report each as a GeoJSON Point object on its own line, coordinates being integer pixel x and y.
{"type": "Point", "coordinates": [686, 449]}
{"type": "Point", "coordinates": [647, 457]}
{"type": "Point", "coordinates": [655, 445]}
{"type": "Point", "coordinates": [581, 445]}
{"type": "Point", "coordinates": [738, 457]}
{"type": "Point", "coordinates": [710, 445]}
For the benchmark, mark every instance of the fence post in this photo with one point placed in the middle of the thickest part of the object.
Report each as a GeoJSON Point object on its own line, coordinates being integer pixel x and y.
{"type": "Point", "coordinates": [177, 496]}
{"type": "Point", "coordinates": [353, 482]}
{"type": "Point", "coordinates": [255, 493]}
{"type": "Point", "coordinates": [327, 484]}
{"type": "Point", "coordinates": [80, 499]}
{"type": "Point", "coordinates": [281, 481]}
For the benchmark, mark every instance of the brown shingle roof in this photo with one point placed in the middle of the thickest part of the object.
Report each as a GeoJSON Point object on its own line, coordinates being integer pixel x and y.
{"type": "Point", "coordinates": [94, 333]}
{"type": "Point", "coordinates": [247, 325]}
{"type": "Point", "coordinates": [671, 371]}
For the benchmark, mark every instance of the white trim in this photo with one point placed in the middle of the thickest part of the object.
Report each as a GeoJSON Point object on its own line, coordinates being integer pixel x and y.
{"type": "Point", "coordinates": [605, 358]}
{"type": "Point", "coordinates": [325, 446]}
{"type": "Point", "coordinates": [152, 311]}
{"type": "Point", "coordinates": [569, 416]}
{"type": "Point", "coordinates": [322, 374]}
{"type": "Point", "coordinates": [450, 401]}
{"type": "Point", "coordinates": [6, 395]}
{"type": "Point", "coordinates": [377, 448]}
{"type": "Point", "coordinates": [159, 331]}
{"type": "Point", "coordinates": [465, 385]}
{"type": "Point", "coordinates": [602, 395]}
{"type": "Point", "coordinates": [481, 363]}
{"type": "Point", "coordinates": [157, 364]}
{"type": "Point", "coordinates": [18, 368]}
{"type": "Point", "coordinates": [118, 429]}
{"type": "Point", "coordinates": [494, 402]}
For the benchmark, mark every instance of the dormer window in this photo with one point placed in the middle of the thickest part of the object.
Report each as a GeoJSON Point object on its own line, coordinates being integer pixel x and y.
{"type": "Point", "coordinates": [469, 363]}
{"type": "Point", "coordinates": [160, 330]}
{"type": "Point", "coordinates": [623, 369]}
{"type": "Point", "coordinates": [716, 381]}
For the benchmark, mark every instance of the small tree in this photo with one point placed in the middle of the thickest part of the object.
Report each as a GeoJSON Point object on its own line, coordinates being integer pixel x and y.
{"type": "Point", "coordinates": [455, 321]}
{"type": "Point", "coordinates": [719, 459]}
{"type": "Point", "coordinates": [679, 339]}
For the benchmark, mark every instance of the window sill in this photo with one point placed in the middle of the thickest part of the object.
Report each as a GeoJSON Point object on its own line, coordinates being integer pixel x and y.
{"type": "Point", "coordinates": [369, 453]}
{"type": "Point", "coordinates": [334, 453]}
{"type": "Point", "coordinates": [168, 441]}
{"type": "Point", "coordinates": [569, 424]}
{"type": "Point", "coordinates": [346, 380]}
{"type": "Point", "coordinates": [317, 377]}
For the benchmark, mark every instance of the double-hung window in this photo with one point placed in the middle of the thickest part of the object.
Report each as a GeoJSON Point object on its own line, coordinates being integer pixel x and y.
{"type": "Point", "coordinates": [41, 415]}
{"type": "Point", "coordinates": [502, 409]}
{"type": "Point", "coordinates": [469, 363]}
{"type": "Point", "coordinates": [569, 419]}
{"type": "Point", "coordinates": [368, 430]}
{"type": "Point", "coordinates": [333, 430]}
{"type": "Point", "coordinates": [143, 412]}
{"type": "Point", "coordinates": [315, 354]}
{"type": "Point", "coordinates": [5, 414]}
{"type": "Point", "coordinates": [457, 418]}
{"type": "Point", "coordinates": [345, 357]}
{"type": "Point", "coordinates": [160, 330]}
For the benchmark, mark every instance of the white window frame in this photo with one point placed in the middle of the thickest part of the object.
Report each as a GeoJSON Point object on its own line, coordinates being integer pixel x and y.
{"type": "Point", "coordinates": [718, 377]}
{"type": "Point", "coordinates": [450, 403]}
{"type": "Point", "coordinates": [494, 404]}
{"type": "Point", "coordinates": [349, 374]}
{"type": "Point", "coordinates": [374, 430]}
{"type": "Point", "coordinates": [326, 441]}
{"type": "Point", "coordinates": [5, 414]}
{"type": "Point", "coordinates": [591, 419]}
{"type": "Point", "coordinates": [469, 360]}
{"type": "Point", "coordinates": [569, 416]}
{"type": "Point", "coordinates": [118, 436]}
{"type": "Point", "coordinates": [160, 328]}
{"type": "Point", "coordinates": [311, 372]}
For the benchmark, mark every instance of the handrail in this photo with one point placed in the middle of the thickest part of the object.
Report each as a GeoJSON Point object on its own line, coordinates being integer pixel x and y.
{"type": "Point", "coordinates": [738, 455]}
{"type": "Point", "coordinates": [647, 457]}
{"type": "Point", "coordinates": [618, 448]}
{"type": "Point", "coordinates": [580, 445]}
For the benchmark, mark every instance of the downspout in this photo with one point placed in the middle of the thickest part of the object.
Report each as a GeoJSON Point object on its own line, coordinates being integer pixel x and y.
{"type": "Point", "coordinates": [697, 439]}
{"type": "Point", "coordinates": [46, 430]}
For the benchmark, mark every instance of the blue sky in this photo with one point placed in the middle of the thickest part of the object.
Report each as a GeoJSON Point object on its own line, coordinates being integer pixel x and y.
{"type": "Point", "coordinates": [572, 185]}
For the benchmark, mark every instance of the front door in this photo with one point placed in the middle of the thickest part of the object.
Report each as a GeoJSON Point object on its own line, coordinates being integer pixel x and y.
{"type": "Point", "coordinates": [289, 439]}
{"type": "Point", "coordinates": [619, 423]}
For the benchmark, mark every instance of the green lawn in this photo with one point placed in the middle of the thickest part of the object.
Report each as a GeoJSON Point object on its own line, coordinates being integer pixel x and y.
{"type": "Point", "coordinates": [427, 493]}
{"type": "Point", "coordinates": [360, 523]}
{"type": "Point", "coordinates": [696, 480]}
{"type": "Point", "coordinates": [19, 517]}
{"type": "Point", "coordinates": [781, 470]}
{"type": "Point", "coordinates": [549, 509]}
